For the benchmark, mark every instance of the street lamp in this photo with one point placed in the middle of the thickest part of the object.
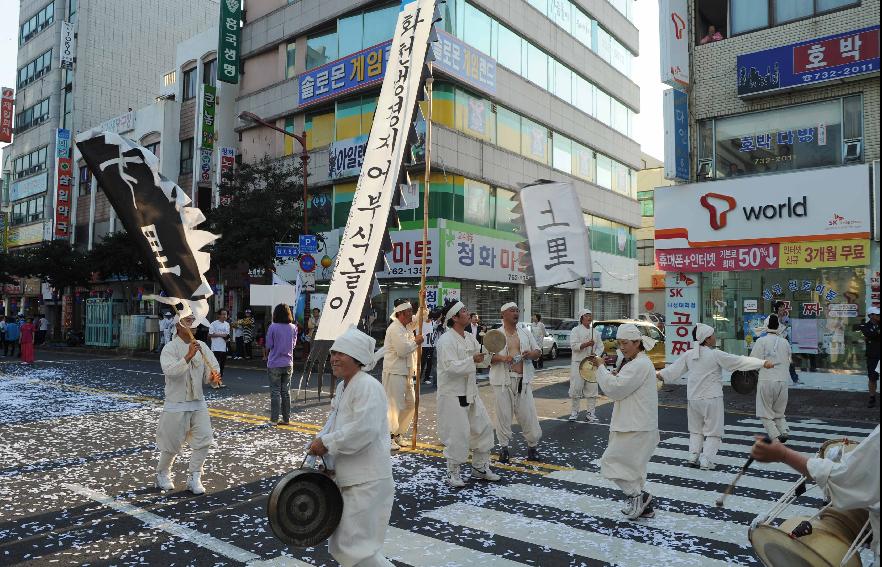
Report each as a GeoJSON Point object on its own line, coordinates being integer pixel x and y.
{"type": "Point", "coordinates": [304, 154]}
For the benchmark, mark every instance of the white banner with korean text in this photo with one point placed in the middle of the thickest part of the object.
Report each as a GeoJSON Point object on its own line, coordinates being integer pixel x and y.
{"type": "Point", "coordinates": [363, 235]}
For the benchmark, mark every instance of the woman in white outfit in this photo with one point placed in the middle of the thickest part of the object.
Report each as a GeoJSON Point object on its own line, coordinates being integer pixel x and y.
{"type": "Point", "coordinates": [633, 429]}
{"type": "Point", "coordinates": [704, 391]}
{"type": "Point", "coordinates": [585, 341]}
{"type": "Point", "coordinates": [771, 391]}
{"type": "Point", "coordinates": [463, 422]}
{"type": "Point", "coordinates": [357, 441]}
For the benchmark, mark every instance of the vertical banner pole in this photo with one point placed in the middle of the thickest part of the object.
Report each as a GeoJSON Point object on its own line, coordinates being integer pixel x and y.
{"type": "Point", "coordinates": [422, 310]}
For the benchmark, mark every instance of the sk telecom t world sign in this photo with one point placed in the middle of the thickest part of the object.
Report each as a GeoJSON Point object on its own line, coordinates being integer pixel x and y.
{"type": "Point", "coordinates": [228, 45]}
{"type": "Point", "coordinates": [829, 58]}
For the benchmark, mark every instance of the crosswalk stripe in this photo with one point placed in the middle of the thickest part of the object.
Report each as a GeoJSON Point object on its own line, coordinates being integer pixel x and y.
{"type": "Point", "coordinates": [751, 439]}
{"type": "Point", "coordinates": [815, 427]}
{"type": "Point", "coordinates": [591, 505]}
{"type": "Point", "coordinates": [717, 477]}
{"type": "Point", "coordinates": [734, 502]}
{"type": "Point", "coordinates": [567, 539]}
{"type": "Point", "coordinates": [280, 561]}
{"type": "Point", "coordinates": [793, 433]}
{"type": "Point", "coordinates": [726, 460]}
{"type": "Point", "coordinates": [733, 447]}
{"type": "Point", "coordinates": [418, 550]}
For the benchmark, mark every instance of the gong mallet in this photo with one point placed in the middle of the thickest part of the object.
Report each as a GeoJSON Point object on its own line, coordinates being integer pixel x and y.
{"type": "Point", "coordinates": [738, 476]}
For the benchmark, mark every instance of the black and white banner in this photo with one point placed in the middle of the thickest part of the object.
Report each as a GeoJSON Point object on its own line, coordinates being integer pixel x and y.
{"type": "Point", "coordinates": [362, 237]}
{"type": "Point", "coordinates": [156, 214]}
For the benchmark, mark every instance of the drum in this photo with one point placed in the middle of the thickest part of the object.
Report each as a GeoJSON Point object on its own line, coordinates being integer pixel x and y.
{"type": "Point", "coordinates": [744, 381]}
{"type": "Point", "coordinates": [832, 533]}
{"type": "Point", "coordinates": [588, 371]}
{"type": "Point", "coordinates": [835, 449]}
{"type": "Point", "coordinates": [304, 508]}
{"type": "Point", "coordinates": [494, 341]}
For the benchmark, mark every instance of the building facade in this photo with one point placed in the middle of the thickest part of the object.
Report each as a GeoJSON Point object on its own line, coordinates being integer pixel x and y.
{"type": "Point", "coordinates": [651, 278]}
{"type": "Point", "coordinates": [80, 62]}
{"type": "Point", "coordinates": [522, 91]}
{"type": "Point", "coordinates": [784, 141]}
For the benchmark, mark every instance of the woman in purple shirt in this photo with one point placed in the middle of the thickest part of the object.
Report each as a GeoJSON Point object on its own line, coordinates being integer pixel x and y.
{"type": "Point", "coordinates": [281, 338]}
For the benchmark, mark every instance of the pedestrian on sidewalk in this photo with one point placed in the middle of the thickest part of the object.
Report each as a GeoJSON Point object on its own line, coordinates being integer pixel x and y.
{"type": "Point", "coordinates": [11, 341]}
{"type": "Point", "coordinates": [219, 332]}
{"type": "Point", "coordinates": [3, 331]}
{"type": "Point", "coordinates": [42, 328]}
{"type": "Point", "coordinates": [281, 338]}
{"type": "Point", "coordinates": [538, 330]}
{"type": "Point", "coordinates": [26, 349]}
{"type": "Point", "coordinates": [187, 363]}
{"type": "Point", "coordinates": [871, 332]}
{"type": "Point", "coordinates": [771, 390]}
{"type": "Point", "coordinates": [247, 325]}
{"type": "Point", "coordinates": [783, 314]}
{"type": "Point", "coordinates": [238, 336]}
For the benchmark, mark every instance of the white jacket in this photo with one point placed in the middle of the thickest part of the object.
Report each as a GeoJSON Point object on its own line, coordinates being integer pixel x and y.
{"type": "Point", "coordinates": [183, 380]}
{"type": "Point", "coordinates": [499, 371]}
{"type": "Point", "coordinates": [635, 395]}
{"type": "Point", "coordinates": [456, 367]}
{"type": "Point", "coordinates": [579, 335]}
{"type": "Point", "coordinates": [777, 349]}
{"type": "Point", "coordinates": [705, 379]}
{"type": "Point", "coordinates": [400, 348]}
{"type": "Point", "coordinates": [359, 437]}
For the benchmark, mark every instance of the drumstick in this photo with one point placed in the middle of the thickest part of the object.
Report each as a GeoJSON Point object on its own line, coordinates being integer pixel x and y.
{"type": "Point", "coordinates": [731, 486]}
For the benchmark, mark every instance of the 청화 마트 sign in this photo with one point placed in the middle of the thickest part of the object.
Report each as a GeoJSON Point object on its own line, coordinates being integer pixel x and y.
{"type": "Point", "coordinates": [829, 58]}
{"type": "Point", "coordinates": [351, 73]}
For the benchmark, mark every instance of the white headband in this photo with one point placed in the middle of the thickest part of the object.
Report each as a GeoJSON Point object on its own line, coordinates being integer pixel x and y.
{"type": "Point", "coordinates": [399, 308]}
{"type": "Point", "coordinates": [702, 332]}
{"type": "Point", "coordinates": [584, 312]}
{"type": "Point", "coordinates": [453, 311]}
{"type": "Point", "coordinates": [507, 306]}
{"type": "Point", "coordinates": [630, 332]}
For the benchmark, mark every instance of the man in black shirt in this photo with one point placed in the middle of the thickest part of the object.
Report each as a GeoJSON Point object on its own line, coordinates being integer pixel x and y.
{"type": "Point", "coordinates": [871, 332]}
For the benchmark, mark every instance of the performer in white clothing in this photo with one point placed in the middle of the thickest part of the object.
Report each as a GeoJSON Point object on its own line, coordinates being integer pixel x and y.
{"type": "Point", "coordinates": [704, 391]}
{"type": "Point", "coordinates": [166, 330]}
{"type": "Point", "coordinates": [771, 390]}
{"type": "Point", "coordinates": [463, 422]}
{"type": "Point", "coordinates": [511, 377]}
{"type": "Point", "coordinates": [355, 444]}
{"type": "Point", "coordinates": [399, 371]}
{"type": "Point", "coordinates": [585, 341]}
{"type": "Point", "coordinates": [851, 483]}
{"type": "Point", "coordinates": [185, 414]}
{"type": "Point", "coordinates": [633, 429]}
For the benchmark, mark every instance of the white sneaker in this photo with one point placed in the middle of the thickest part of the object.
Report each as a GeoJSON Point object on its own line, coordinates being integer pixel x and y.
{"type": "Point", "coordinates": [705, 465]}
{"type": "Point", "coordinates": [194, 483]}
{"type": "Point", "coordinates": [637, 505]}
{"type": "Point", "coordinates": [164, 481]}
{"type": "Point", "coordinates": [393, 445]}
{"type": "Point", "coordinates": [591, 418]}
{"type": "Point", "coordinates": [693, 460]}
{"type": "Point", "coordinates": [485, 474]}
{"type": "Point", "coordinates": [454, 478]}
{"type": "Point", "coordinates": [574, 416]}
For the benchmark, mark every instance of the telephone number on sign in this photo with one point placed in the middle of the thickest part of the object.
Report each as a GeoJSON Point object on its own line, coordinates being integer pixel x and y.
{"type": "Point", "coordinates": [413, 271]}
{"type": "Point", "coordinates": [839, 72]}
{"type": "Point", "coordinates": [517, 277]}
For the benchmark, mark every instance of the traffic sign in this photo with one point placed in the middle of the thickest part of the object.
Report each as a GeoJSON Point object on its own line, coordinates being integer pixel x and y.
{"type": "Point", "coordinates": [308, 243]}
{"type": "Point", "coordinates": [307, 263]}
{"type": "Point", "coordinates": [287, 250]}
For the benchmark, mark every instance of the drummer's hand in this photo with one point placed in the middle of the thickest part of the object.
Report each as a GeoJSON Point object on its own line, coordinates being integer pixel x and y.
{"type": "Point", "coordinates": [317, 447]}
{"type": "Point", "coordinates": [589, 343]}
{"type": "Point", "coordinates": [479, 357]}
{"type": "Point", "coordinates": [509, 358]}
{"type": "Point", "coordinates": [763, 452]}
{"type": "Point", "coordinates": [659, 377]}
{"type": "Point", "coordinates": [596, 361]}
{"type": "Point", "coordinates": [768, 364]}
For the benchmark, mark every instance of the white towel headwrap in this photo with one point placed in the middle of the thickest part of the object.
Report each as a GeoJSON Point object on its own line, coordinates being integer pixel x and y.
{"type": "Point", "coordinates": [507, 306]}
{"type": "Point", "coordinates": [702, 332]}
{"type": "Point", "coordinates": [630, 332]}
{"type": "Point", "coordinates": [399, 308]}
{"type": "Point", "coordinates": [359, 346]}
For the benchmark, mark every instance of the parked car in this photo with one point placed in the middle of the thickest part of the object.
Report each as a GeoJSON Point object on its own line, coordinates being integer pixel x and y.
{"type": "Point", "coordinates": [656, 319]}
{"type": "Point", "coordinates": [549, 347]}
{"type": "Point", "coordinates": [561, 334]}
{"type": "Point", "coordinates": [608, 331]}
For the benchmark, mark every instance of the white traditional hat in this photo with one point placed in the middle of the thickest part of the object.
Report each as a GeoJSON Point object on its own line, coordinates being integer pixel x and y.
{"type": "Point", "coordinates": [584, 312]}
{"type": "Point", "coordinates": [357, 345]}
{"type": "Point", "coordinates": [630, 332]}
{"type": "Point", "coordinates": [702, 332]}
{"type": "Point", "coordinates": [507, 306]}
{"type": "Point", "coordinates": [399, 308]}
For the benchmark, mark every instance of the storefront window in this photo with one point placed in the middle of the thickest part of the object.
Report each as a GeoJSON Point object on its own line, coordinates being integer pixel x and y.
{"type": "Point", "coordinates": [553, 304]}
{"type": "Point", "coordinates": [534, 140]}
{"type": "Point", "coordinates": [818, 340]}
{"type": "Point", "coordinates": [783, 139]}
{"type": "Point", "coordinates": [486, 298]}
{"type": "Point", "coordinates": [608, 306]}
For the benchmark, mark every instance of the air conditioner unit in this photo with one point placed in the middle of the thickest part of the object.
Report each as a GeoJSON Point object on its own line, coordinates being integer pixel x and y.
{"type": "Point", "coordinates": [851, 150]}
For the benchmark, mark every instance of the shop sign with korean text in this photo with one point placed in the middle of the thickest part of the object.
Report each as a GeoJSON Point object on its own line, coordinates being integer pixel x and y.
{"type": "Point", "coordinates": [825, 254]}
{"type": "Point", "coordinates": [405, 260]}
{"type": "Point", "coordinates": [64, 177]}
{"type": "Point", "coordinates": [719, 258]}
{"type": "Point", "coordinates": [346, 157]}
{"type": "Point", "coordinates": [800, 206]}
{"type": "Point", "coordinates": [438, 295]}
{"type": "Point", "coordinates": [204, 165]}
{"type": "Point", "coordinates": [228, 44]}
{"type": "Point", "coordinates": [472, 255]}
{"type": "Point", "coordinates": [830, 58]}
{"type": "Point", "coordinates": [674, 35]}
{"type": "Point", "coordinates": [681, 312]}
{"type": "Point", "coordinates": [209, 98]}
{"type": "Point", "coordinates": [351, 73]}
{"type": "Point", "coordinates": [7, 106]}
{"type": "Point", "coordinates": [66, 52]}
{"type": "Point", "coordinates": [675, 112]}
{"type": "Point", "coordinates": [462, 61]}
{"type": "Point", "coordinates": [368, 217]}
{"type": "Point", "coordinates": [123, 123]}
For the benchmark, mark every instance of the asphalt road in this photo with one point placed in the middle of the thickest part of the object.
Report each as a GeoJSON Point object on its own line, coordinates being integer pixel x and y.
{"type": "Point", "coordinates": [77, 458]}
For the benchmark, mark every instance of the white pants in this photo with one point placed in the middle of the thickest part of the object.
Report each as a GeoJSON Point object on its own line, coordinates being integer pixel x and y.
{"type": "Point", "coordinates": [771, 402]}
{"type": "Point", "coordinates": [705, 418]}
{"type": "Point", "coordinates": [625, 459]}
{"type": "Point", "coordinates": [581, 388]}
{"type": "Point", "coordinates": [400, 396]}
{"type": "Point", "coordinates": [177, 428]}
{"type": "Point", "coordinates": [520, 406]}
{"type": "Point", "coordinates": [358, 540]}
{"type": "Point", "coordinates": [463, 428]}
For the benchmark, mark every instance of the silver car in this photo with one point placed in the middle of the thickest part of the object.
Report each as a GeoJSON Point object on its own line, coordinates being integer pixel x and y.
{"type": "Point", "coordinates": [549, 346]}
{"type": "Point", "coordinates": [561, 334]}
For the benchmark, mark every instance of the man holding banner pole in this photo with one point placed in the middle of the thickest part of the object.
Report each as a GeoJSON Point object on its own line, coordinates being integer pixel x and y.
{"type": "Point", "coordinates": [399, 369]}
